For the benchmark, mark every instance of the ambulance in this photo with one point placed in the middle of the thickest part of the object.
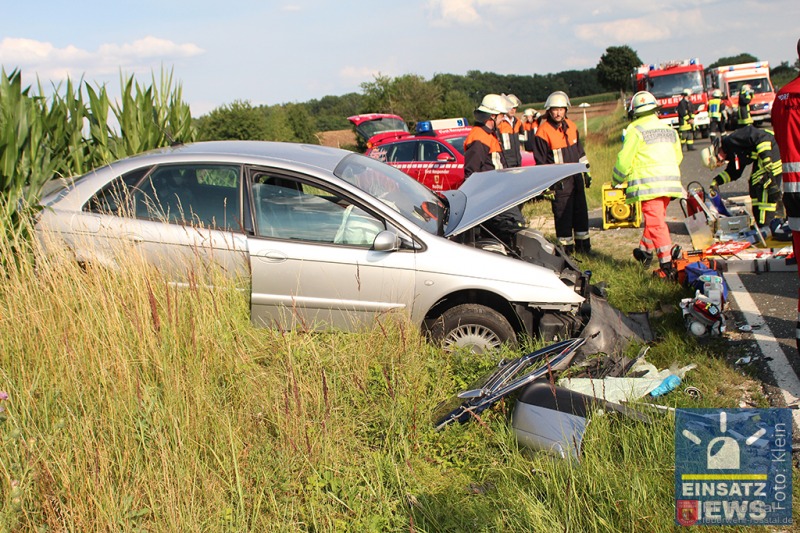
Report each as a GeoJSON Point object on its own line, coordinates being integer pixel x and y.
{"type": "Point", "coordinates": [730, 78]}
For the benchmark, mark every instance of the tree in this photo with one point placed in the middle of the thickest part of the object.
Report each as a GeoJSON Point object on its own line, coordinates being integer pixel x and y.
{"type": "Point", "coordinates": [734, 60]}
{"type": "Point", "coordinates": [239, 121]}
{"type": "Point", "coordinates": [615, 67]}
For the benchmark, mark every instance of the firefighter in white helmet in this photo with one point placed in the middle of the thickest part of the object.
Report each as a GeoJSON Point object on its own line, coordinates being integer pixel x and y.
{"type": "Point", "coordinates": [716, 114]}
{"type": "Point", "coordinates": [649, 165]}
{"type": "Point", "coordinates": [558, 141]}
{"type": "Point", "coordinates": [745, 97]}
{"type": "Point", "coordinates": [530, 123]}
{"type": "Point", "coordinates": [508, 131]}
{"type": "Point", "coordinates": [482, 152]}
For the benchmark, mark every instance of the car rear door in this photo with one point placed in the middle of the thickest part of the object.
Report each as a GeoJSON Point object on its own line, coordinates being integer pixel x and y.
{"type": "Point", "coordinates": [311, 260]}
{"type": "Point", "coordinates": [179, 218]}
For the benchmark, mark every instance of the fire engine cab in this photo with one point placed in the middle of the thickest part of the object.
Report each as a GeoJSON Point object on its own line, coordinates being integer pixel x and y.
{"type": "Point", "coordinates": [667, 81]}
{"type": "Point", "coordinates": [730, 78]}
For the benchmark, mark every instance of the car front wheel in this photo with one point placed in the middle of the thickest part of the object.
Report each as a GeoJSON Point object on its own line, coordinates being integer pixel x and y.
{"type": "Point", "coordinates": [474, 327]}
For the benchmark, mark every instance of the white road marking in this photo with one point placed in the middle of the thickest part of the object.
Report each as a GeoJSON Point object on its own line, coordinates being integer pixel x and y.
{"type": "Point", "coordinates": [782, 371]}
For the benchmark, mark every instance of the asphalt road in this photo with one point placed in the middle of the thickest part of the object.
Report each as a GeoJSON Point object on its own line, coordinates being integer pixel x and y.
{"type": "Point", "coordinates": [762, 312]}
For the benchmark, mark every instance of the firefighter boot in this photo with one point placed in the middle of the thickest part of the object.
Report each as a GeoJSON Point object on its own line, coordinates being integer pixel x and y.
{"type": "Point", "coordinates": [645, 258]}
{"type": "Point", "coordinates": [584, 246]}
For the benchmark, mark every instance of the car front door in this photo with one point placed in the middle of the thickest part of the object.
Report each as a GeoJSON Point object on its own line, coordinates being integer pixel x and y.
{"type": "Point", "coordinates": [311, 259]}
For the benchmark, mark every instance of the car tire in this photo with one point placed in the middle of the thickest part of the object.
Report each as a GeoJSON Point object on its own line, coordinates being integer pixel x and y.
{"type": "Point", "coordinates": [474, 327]}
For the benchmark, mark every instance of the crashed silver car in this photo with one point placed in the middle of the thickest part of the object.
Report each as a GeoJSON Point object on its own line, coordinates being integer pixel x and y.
{"type": "Point", "coordinates": [326, 238]}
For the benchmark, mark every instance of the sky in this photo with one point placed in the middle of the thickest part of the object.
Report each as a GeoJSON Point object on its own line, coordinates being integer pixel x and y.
{"type": "Point", "coordinates": [274, 52]}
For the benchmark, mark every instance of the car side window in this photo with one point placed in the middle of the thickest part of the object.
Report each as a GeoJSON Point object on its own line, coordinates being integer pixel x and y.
{"type": "Point", "coordinates": [193, 195]}
{"type": "Point", "coordinates": [292, 209]}
{"type": "Point", "coordinates": [114, 198]}
{"type": "Point", "coordinates": [401, 152]}
{"type": "Point", "coordinates": [430, 150]}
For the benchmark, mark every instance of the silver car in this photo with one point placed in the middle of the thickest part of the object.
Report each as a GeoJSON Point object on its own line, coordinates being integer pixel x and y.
{"type": "Point", "coordinates": [326, 237]}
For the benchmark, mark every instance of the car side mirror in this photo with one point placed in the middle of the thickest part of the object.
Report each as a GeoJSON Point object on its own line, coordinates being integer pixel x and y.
{"type": "Point", "coordinates": [444, 157]}
{"type": "Point", "coordinates": [386, 241]}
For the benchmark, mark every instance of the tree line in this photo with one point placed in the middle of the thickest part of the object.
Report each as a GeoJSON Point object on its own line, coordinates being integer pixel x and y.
{"type": "Point", "coordinates": [415, 98]}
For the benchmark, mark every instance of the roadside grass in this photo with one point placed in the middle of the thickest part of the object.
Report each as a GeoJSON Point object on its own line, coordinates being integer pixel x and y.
{"type": "Point", "coordinates": [137, 406]}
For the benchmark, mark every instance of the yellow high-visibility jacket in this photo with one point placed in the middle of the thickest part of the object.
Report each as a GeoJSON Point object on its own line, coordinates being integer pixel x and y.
{"type": "Point", "coordinates": [649, 161]}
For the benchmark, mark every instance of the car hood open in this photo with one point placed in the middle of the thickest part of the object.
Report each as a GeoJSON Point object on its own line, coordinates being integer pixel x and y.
{"type": "Point", "coordinates": [486, 194]}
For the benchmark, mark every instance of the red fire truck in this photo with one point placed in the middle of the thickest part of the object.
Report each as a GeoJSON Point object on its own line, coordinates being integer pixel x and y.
{"type": "Point", "coordinates": [667, 81]}
{"type": "Point", "coordinates": [730, 78]}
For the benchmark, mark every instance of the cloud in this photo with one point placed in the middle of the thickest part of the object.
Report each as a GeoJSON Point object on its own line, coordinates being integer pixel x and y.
{"type": "Point", "coordinates": [468, 12]}
{"type": "Point", "coordinates": [50, 62]}
{"type": "Point", "coordinates": [653, 27]}
{"type": "Point", "coordinates": [631, 30]}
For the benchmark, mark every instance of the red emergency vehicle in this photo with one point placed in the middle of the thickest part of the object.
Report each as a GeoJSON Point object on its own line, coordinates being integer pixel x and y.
{"type": "Point", "coordinates": [434, 156]}
{"type": "Point", "coordinates": [730, 78]}
{"type": "Point", "coordinates": [667, 81]}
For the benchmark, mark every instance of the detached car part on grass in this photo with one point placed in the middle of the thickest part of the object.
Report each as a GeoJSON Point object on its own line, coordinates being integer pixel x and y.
{"type": "Point", "coordinates": [324, 238]}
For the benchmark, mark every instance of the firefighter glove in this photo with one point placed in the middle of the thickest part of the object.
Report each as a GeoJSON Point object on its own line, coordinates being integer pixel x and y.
{"type": "Point", "coordinates": [716, 182]}
{"type": "Point", "coordinates": [587, 180]}
{"type": "Point", "coordinates": [548, 194]}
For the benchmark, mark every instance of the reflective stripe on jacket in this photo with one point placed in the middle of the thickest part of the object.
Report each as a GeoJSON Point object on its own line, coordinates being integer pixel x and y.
{"type": "Point", "coordinates": [481, 151]}
{"type": "Point", "coordinates": [786, 124]}
{"type": "Point", "coordinates": [715, 109]}
{"type": "Point", "coordinates": [649, 161]}
{"type": "Point", "coordinates": [508, 129]}
{"type": "Point", "coordinates": [557, 143]}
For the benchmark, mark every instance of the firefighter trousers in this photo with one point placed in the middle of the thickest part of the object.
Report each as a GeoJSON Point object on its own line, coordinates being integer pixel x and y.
{"type": "Point", "coordinates": [571, 214]}
{"type": "Point", "coordinates": [655, 237]}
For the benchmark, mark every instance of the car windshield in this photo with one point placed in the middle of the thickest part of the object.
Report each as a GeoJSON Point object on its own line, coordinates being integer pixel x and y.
{"type": "Point", "coordinates": [759, 85]}
{"type": "Point", "coordinates": [457, 143]}
{"type": "Point", "coordinates": [373, 127]}
{"type": "Point", "coordinates": [673, 84]}
{"type": "Point", "coordinates": [395, 189]}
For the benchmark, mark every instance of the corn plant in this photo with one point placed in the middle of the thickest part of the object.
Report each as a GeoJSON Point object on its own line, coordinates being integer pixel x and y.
{"type": "Point", "coordinates": [68, 135]}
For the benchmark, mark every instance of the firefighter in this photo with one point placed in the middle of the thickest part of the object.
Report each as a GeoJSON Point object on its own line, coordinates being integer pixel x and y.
{"type": "Point", "coordinates": [649, 163]}
{"type": "Point", "coordinates": [786, 121]}
{"type": "Point", "coordinates": [530, 123]}
{"type": "Point", "coordinates": [558, 141]}
{"type": "Point", "coordinates": [482, 150]}
{"type": "Point", "coordinates": [508, 131]}
{"type": "Point", "coordinates": [716, 114]}
{"type": "Point", "coordinates": [750, 145]}
{"type": "Point", "coordinates": [686, 120]}
{"type": "Point", "coordinates": [745, 97]}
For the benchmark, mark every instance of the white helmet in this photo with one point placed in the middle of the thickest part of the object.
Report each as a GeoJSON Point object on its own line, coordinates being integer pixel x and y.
{"type": "Point", "coordinates": [687, 92]}
{"type": "Point", "coordinates": [494, 104]}
{"type": "Point", "coordinates": [643, 102]}
{"type": "Point", "coordinates": [708, 156]}
{"type": "Point", "coordinates": [530, 112]}
{"type": "Point", "coordinates": [557, 99]}
{"type": "Point", "coordinates": [513, 100]}
{"type": "Point", "coordinates": [716, 93]}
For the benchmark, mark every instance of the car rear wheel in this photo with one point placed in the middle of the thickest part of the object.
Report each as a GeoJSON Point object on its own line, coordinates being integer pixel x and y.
{"type": "Point", "coordinates": [474, 327]}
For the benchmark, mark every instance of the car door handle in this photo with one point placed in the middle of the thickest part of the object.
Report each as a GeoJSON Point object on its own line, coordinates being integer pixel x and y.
{"type": "Point", "coordinates": [134, 238]}
{"type": "Point", "coordinates": [272, 256]}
